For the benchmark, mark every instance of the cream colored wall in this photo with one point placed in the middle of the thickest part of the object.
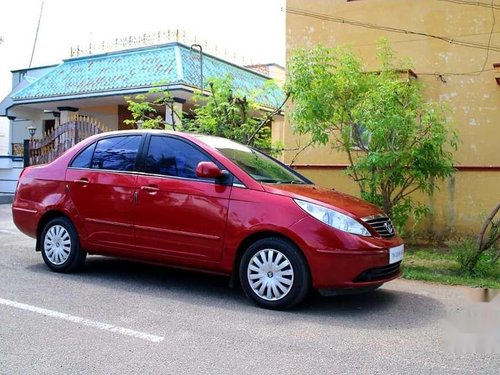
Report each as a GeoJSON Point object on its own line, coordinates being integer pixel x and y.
{"type": "Point", "coordinates": [278, 131]}
{"type": "Point", "coordinates": [471, 94]}
{"type": "Point", "coordinates": [277, 73]}
{"type": "Point", "coordinates": [106, 115]}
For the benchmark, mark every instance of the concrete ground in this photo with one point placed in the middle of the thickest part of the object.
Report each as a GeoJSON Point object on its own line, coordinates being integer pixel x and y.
{"type": "Point", "coordinates": [6, 198]}
{"type": "Point", "coordinates": [118, 317]}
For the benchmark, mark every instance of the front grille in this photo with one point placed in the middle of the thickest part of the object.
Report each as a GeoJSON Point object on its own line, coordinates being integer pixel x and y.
{"type": "Point", "coordinates": [379, 273]}
{"type": "Point", "coordinates": [382, 225]}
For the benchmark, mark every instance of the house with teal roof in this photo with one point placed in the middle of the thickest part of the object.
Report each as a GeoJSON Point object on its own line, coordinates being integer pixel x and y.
{"type": "Point", "coordinates": [95, 86]}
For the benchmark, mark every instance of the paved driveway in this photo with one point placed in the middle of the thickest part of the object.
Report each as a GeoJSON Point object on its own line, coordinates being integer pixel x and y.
{"type": "Point", "coordinates": [119, 317]}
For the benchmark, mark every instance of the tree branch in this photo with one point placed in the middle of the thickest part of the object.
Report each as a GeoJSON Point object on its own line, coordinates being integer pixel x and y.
{"type": "Point", "coordinates": [299, 152]}
{"type": "Point", "coordinates": [268, 118]}
{"type": "Point", "coordinates": [408, 182]}
{"type": "Point", "coordinates": [482, 232]}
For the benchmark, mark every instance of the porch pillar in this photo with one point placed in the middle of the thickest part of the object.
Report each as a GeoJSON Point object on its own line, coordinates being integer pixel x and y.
{"type": "Point", "coordinates": [66, 114]}
{"type": "Point", "coordinates": [173, 113]}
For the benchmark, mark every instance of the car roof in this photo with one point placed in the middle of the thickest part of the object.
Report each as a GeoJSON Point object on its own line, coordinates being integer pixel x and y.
{"type": "Point", "coordinates": [209, 140]}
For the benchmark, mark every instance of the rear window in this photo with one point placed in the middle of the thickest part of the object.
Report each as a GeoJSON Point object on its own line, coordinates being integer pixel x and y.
{"type": "Point", "coordinates": [84, 158]}
{"type": "Point", "coordinates": [116, 153]}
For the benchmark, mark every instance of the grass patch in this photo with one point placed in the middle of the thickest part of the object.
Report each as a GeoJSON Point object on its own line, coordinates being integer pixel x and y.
{"type": "Point", "coordinates": [441, 266]}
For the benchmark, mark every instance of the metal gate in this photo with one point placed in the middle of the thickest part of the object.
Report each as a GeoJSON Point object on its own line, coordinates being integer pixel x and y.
{"type": "Point", "coordinates": [61, 139]}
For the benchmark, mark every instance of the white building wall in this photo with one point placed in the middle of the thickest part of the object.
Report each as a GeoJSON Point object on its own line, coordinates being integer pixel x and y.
{"type": "Point", "coordinates": [20, 130]}
{"type": "Point", "coordinates": [10, 169]}
{"type": "Point", "coordinates": [4, 136]}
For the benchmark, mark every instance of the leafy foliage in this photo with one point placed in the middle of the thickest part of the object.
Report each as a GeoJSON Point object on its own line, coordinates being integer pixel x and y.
{"type": "Point", "coordinates": [396, 141]}
{"type": "Point", "coordinates": [144, 108]}
{"type": "Point", "coordinates": [231, 114]}
{"type": "Point", "coordinates": [441, 266]}
{"type": "Point", "coordinates": [471, 261]}
{"type": "Point", "coordinates": [225, 113]}
{"type": "Point", "coordinates": [477, 257]}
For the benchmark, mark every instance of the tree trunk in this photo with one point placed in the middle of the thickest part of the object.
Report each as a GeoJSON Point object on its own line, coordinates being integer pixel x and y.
{"type": "Point", "coordinates": [480, 239]}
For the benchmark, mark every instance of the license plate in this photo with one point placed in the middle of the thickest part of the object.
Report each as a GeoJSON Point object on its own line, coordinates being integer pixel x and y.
{"type": "Point", "coordinates": [396, 253]}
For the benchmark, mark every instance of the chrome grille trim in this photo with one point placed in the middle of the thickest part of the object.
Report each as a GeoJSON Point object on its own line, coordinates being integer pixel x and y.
{"type": "Point", "coordinates": [381, 224]}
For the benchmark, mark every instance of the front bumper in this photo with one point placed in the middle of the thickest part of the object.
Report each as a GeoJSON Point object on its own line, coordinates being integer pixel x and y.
{"type": "Point", "coordinates": [342, 260]}
{"type": "Point", "coordinates": [354, 270]}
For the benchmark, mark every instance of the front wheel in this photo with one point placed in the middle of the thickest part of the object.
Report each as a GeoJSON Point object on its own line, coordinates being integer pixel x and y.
{"type": "Point", "coordinates": [60, 246]}
{"type": "Point", "coordinates": [274, 274]}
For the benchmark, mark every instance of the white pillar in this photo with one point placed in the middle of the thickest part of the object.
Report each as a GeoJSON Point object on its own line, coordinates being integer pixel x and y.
{"type": "Point", "coordinates": [66, 114]}
{"type": "Point", "coordinates": [173, 113]}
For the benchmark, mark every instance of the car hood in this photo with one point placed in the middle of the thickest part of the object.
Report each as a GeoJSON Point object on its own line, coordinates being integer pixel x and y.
{"type": "Point", "coordinates": [312, 193]}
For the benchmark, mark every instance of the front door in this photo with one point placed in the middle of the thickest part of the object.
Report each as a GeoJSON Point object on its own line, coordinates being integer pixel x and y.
{"type": "Point", "coordinates": [178, 214]}
{"type": "Point", "coordinates": [101, 182]}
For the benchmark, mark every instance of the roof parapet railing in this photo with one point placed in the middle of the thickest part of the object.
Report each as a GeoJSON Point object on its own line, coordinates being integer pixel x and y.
{"type": "Point", "coordinates": [160, 37]}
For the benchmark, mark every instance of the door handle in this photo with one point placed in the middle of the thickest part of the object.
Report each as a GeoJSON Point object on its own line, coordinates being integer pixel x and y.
{"type": "Point", "coordinates": [150, 188]}
{"type": "Point", "coordinates": [82, 181]}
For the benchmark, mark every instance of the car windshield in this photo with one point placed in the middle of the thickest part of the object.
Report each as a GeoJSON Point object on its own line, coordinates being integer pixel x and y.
{"type": "Point", "coordinates": [257, 164]}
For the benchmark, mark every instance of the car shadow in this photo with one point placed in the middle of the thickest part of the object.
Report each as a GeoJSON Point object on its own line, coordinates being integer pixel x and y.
{"type": "Point", "coordinates": [372, 310]}
{"type": "Point", "coordinates": [382, 309]}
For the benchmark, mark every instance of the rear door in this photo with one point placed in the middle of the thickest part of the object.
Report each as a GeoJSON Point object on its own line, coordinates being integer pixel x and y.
{"type": "Point", "coordinates": [178, 214]}
{"type": "Point", "coordinates": [101, 182]}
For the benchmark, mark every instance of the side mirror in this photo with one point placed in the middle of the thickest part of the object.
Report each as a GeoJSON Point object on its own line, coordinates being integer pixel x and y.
{"type": "Point", "coordinates": [208, 169]}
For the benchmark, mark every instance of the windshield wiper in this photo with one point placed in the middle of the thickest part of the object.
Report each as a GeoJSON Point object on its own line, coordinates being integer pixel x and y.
{"type": "Point", "coordinates": [290, 182]}
{"type": "Point", "coordinates": [273, 181]}
{"type": "Point", "coordinates": [268, 180]}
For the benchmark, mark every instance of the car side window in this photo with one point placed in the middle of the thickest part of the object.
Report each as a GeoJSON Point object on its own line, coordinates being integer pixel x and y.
{"type": "Point", "coordinates": [116, 153]}
{"type": "Point", "coordinates": [172, 157]}
{"type": "Point", "coordinates": [84, 158]}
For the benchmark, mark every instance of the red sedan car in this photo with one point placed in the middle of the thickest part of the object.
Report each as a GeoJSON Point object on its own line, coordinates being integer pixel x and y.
{"type": "Point", "coordinates": [205, 203]}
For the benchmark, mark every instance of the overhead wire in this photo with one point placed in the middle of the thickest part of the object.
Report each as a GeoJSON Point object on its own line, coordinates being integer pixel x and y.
{"type": "Point", "coordinates": [36, 34]}
{"type": "Point", "coordinates": [475, 72]}
{"type": "Point", "coordinates": [474, 3]}
{"type": "Point", "coordinates": [325, 17]}
{"type": "Point", "coordinates": [493, 17]}
{"type": "Point", "coordinates": [488, 47]}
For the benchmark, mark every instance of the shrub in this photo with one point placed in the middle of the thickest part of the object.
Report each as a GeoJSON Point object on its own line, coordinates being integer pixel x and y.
{"type": "Point", "coordinates": [471, 261]}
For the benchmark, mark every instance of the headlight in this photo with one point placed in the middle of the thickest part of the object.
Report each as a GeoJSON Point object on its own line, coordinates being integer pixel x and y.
{"type": "Point", "coordinates": [333, 218]}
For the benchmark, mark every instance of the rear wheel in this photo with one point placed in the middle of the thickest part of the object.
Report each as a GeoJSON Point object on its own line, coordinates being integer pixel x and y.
{"type": "Point", "coordinates": [60, 246]}
{"type": "Point", "coordinates": [274, 274]}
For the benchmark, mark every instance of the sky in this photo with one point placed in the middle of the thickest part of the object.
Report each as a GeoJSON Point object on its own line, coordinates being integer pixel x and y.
{"type": "Point", "coordinates": [254, 29]}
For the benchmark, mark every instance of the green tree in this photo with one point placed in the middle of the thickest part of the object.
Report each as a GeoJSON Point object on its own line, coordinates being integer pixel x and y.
{"type": "Point", "coordinates": [233, 114]}
{"type": "Point", "coordinates": [476, 258]}
{"type": "Point", "coordinates": [145, 108]}
{"type": "Point", "coordinates": [225, 112]}
{"type": "Point", "coordinates": [397, 142]}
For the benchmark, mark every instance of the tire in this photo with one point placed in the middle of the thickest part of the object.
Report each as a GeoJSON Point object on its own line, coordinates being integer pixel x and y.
{"type": "Point", "coordinates": [60, 246]}
{"type": "Point", "coordinates": [274, 274]}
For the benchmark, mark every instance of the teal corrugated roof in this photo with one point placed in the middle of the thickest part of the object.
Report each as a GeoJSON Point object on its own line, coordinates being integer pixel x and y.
{"type": "Point", "coordinates": [243, 79]}
{"type": "Point", "coordinates": [109, 72]}
{"type": "Point", "coordinates": [212, 67]}
{"type": "Point", "coordinates": [136, 69]}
